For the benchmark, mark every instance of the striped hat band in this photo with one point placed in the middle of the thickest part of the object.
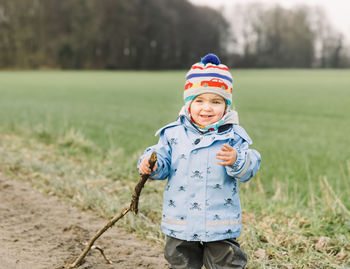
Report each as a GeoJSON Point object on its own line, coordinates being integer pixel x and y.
{"type": "Point", "coordinates": [209, 77]}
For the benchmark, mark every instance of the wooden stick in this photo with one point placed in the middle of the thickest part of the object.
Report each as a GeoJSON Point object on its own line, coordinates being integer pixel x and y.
{"type": "Point", "coordinates": [102, 253]}
{"type": "Point", "coordinates": [133, 207]}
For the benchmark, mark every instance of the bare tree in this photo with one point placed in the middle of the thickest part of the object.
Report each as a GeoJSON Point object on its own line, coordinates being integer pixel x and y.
{"type": "Point", "coordinates": [328, 42]}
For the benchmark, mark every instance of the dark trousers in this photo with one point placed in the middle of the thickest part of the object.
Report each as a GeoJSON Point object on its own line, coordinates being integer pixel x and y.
{"type": "Point", "coordinates": [224, 254]}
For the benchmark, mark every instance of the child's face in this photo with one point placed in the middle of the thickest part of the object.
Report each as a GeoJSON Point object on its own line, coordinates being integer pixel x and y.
{"type": "Point", "coordinates": [207, 109]}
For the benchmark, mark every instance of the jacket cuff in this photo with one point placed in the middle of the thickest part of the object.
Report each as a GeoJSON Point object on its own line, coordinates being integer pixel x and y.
{"type": "Point", "coordinates": [241, 164]}
{"type": "Point", "coordinates": [241, 158]}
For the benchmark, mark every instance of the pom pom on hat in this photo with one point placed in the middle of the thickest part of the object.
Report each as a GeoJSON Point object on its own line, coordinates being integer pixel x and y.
{"type": "Point", "coordinates": [210, 58]}
{"type": "Point", "coordinates": [209, 76]}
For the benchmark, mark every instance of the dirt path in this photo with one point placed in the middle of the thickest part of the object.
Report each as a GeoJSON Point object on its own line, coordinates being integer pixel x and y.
{"type": "Point", "coordinates": [38, 231]}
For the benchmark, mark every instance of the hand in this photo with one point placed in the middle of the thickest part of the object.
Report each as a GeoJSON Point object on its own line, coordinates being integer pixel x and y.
{"type": "Point", "coordinates": [144, 168]}
{"type": "Point", "coordinates": [228, 155]}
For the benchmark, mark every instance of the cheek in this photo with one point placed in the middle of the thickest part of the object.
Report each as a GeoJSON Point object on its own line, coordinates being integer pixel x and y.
{"type": "Point", "coordinates": [220, 112]}
{"type": "Point", "coordinates": [192, 109]}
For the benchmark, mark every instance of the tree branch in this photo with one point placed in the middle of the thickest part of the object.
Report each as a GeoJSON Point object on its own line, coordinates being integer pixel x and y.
{"type": "Point", "coordinates": [133, 207]}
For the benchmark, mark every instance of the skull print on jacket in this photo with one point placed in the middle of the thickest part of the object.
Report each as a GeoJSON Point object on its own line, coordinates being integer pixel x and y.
{"type": "Point", "coordinates": [199, 204]}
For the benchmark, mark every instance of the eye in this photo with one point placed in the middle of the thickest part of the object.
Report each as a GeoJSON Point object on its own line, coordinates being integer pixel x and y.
{"type": "Point", "coordinates": [198, 101]}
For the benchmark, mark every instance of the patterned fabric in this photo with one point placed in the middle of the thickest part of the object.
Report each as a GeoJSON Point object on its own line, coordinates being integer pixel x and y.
{"type": "Point", "coordinates": [208, 76]}
{"type": "Point", "coordinates": [201, 201]}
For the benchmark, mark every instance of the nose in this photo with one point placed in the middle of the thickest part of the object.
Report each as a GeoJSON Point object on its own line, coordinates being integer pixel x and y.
{"type": "Point", "coordinates": [206, 106]}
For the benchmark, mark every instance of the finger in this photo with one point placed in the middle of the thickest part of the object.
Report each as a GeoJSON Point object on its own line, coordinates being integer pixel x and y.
{"type": "Point", "coordinates": [224, 163]}
{"type": "Point", "coordinates": [155, 167]}
{"type": "Point", "coordinates": [223, 153]}
{"type": "Point", "coordinates": [140, 168]}
{"type": "Point", "coordinates": [146, 172]}
{"type": "Point", "coordinates": [145, 169]}
{"type": "Point", "coordinates": [224, 149]}
{"type": "Point", "coordinates": [227, 147]}
{"type": "Point", "coordinates": [144, 166]}
{"type": "Point", "coordinates": [223, 158]}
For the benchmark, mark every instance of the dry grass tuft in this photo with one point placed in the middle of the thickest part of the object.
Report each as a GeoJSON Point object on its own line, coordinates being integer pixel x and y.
{"type": "Point", "coordinates": [282, 227]}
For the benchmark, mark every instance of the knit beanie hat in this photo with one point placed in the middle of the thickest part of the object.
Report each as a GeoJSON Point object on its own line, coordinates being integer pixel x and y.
{"type": "Point", "coordinates": [208, 76]}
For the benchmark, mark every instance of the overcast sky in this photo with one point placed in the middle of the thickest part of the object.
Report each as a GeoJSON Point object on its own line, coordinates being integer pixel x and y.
{"type": "Point", "coordinates": [338, 11]}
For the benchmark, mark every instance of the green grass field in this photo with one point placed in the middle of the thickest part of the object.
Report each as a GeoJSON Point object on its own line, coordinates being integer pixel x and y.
{"type": "Point", "coordinates": [79, 135]}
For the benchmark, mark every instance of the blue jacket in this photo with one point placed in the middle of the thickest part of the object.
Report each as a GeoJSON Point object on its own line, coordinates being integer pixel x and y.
{"type": "Point", "coordinates": [201, 201]}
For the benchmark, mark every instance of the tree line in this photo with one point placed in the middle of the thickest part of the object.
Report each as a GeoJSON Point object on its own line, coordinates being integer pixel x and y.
{"type": "Point", "coordinates": [160, 34]}
{"type": "Point", "coordinates": [106, 34]}
{"type": "Point", "coordinates": [273, 36]}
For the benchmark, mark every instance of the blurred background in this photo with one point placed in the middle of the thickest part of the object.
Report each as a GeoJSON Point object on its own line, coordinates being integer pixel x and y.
{"type": "Point", "coordinates": [85, 84]}
{"type": "Point", "coordinates": [170, 34]}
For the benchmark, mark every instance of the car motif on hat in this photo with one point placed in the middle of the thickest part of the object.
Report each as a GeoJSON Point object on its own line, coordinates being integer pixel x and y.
{"type": "Point", "coordinates": [188, 85]}
{"type": "Point", "coordinates": [214, 82]}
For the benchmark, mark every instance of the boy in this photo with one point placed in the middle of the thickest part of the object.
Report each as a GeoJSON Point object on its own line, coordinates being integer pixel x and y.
{"type": "Point", "coordinates": [203, 154]}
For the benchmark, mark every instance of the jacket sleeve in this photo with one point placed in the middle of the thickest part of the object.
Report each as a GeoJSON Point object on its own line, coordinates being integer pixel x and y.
{"type": "Point", "coordinates": [163, 151]}
{"type": "Point", "coordinates": [248, 160]}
